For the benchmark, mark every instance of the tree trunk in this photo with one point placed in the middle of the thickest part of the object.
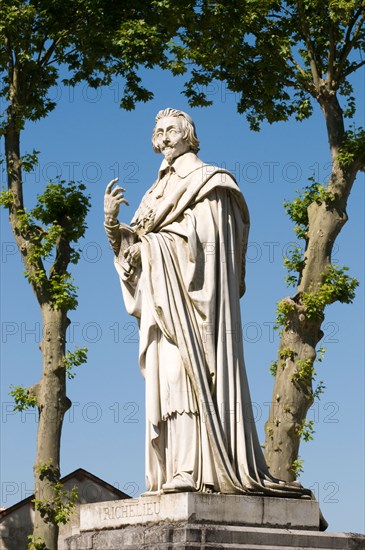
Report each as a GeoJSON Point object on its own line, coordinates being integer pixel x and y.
{"type": "Point", "coordinates": [13, 162]}
{"type": "Point", "coordinates": [52, 405]}
{"type": "Point", "coordinates": [293, 394]}
{"type": "Point", "coordinates": [51, 390]}
{"type": "Point", "coordinates": [293, 391]}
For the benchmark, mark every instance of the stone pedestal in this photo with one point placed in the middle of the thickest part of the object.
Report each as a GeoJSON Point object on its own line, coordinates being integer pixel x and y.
{"type": "Point", "coordinates": [206, 521]}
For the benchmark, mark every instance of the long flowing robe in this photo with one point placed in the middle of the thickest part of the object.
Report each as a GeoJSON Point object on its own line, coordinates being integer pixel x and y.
{"type": "Point", "coordinates": [193, 244]}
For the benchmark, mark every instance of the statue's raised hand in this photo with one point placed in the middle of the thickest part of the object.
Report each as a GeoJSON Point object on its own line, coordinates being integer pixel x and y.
{"type": "Point", "coordinates": [113, 198]}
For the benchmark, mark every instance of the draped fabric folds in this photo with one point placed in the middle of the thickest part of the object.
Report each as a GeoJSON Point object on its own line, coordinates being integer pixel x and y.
{"type": "Point", "coordinates": [187, 294]}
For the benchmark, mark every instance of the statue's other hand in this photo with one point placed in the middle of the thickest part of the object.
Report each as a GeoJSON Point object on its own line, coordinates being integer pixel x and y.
{"type": "Point", "coordinates": [133, 255]}
{"type": "Point", "coordinates": [113, 198]}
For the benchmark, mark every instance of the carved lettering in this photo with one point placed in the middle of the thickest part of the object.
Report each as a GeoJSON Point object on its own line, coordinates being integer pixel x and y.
{"type": "Point", "coordinates": [125, 511]}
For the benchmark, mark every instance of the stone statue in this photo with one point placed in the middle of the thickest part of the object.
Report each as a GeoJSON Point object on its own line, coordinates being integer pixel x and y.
{"type": "Point", "coordinates": [181, 264]}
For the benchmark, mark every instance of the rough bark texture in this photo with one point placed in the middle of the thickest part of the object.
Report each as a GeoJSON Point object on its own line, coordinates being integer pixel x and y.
{"type": "Point", "coordinates": [52, 405]}
{"type": "Point", "coordinates": [291, 398]}
{"type": "Point", "coordinates": [51, 390]}
{"type": "Point", "coordinates": [293, 391]}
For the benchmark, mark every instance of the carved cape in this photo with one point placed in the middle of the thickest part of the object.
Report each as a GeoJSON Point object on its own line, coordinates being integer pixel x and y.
{"type": "Point", "coordinates": [193, 255]}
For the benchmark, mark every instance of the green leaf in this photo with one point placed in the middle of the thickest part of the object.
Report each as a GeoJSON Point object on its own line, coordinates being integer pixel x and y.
{"type": "Point", "coordinates": [306, 430]}
{"type": "Point", "coordinates": [297, 467]}
{"type": "Point", "coordinates": [74, 359]}
{"type": "Point", "coordinates": [23, 398]}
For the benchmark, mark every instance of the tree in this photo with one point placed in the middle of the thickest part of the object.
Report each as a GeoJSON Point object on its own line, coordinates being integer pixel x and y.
{"type": "Point", "coordinates": [42, 42]}
{"type": "Point", "coordinates": [283, 58]}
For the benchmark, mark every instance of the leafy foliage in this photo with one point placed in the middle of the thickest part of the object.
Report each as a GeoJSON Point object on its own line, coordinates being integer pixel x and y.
{"type": "Point", "coordinates": [283, 309]}
{"type": "Point", "coordinates": [306, 430]}
{"type": "Point", "coordinates": [74, 359]}
{"type": "Point", "coordinates": [297, 210]}
{"type": "Point", "coordinates": [23, 398]}
{"type": "Point", "coordinates": [317, 392]}
{"type": "Point", "coordinates": [305, 371]}
{"type": "Point", "coordinates": [307, 45]}
{"type": "Point", "coordinates": [6, 198]}
{"type": "Point", "coordinates": [281, 59]}
{"type": "Point", "coordinates": [62, 208]}
{"type": "Point", "coordinates": [36, 543]}
{"type": "Point", "coordinates": [58, 508]}
{"type": "Point", "coordinates": [64, 205]}
{"type": "Point", "coordinates": [353, 149]}
{"type": "Point", "coordinates": [297, 467]}
{"type": "Point", "coordinates": [43, 42]}
{"type": "Point", "coordinates": [287, 353]}
{"type": "Point", "coordinates": [273, 368]}
{"type": "Point", "coordinates": [284, 354]}
{"type": "Point", "coordinates": [63, 292]}
{"type": "Point", "coordinates": [294, 264]}
{"type": "Point", "coordinates": [29, 160]}
{"type": "Point", "coordinates": [92, 40]}
{"type": "Point", "coordinates": [336, 285]}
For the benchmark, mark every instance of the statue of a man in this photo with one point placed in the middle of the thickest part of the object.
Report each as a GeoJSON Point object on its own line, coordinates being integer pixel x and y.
{"type": "Point", "coordinates": [181, 264]}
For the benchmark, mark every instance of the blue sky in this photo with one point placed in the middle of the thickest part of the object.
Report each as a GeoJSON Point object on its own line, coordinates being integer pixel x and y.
{"type": "Point", "coordinates": [89, 138]}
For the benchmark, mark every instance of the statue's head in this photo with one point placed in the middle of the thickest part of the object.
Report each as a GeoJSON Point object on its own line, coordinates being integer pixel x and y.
{"type": "Point", "coordinates": [174, 134]}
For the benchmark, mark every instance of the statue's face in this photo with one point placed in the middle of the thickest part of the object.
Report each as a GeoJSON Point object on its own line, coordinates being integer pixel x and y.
{"type": "Point", "coordinates": [169, 138]}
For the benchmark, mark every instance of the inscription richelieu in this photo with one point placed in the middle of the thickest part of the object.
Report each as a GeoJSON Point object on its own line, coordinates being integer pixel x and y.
{"type": "Point", "coordinates": [131, 510]}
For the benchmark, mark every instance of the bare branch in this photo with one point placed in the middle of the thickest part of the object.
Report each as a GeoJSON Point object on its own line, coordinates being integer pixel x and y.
{"type": "Point", "coordinates": [41, 48]}
{"type": "Point", "coordinates": [298, 67]}
{"type": "Point", "coordinates": [46, 57]}
{"type": "Point", "coordinates": [55, 60]}
{"type": "Point", "coordinates": [291, 83]}
{"type": "Point", "coordinates": [9, 50]}
{"type": "Point", "coordinates": [63, 255]}
{"type": "Point", "coordinates": [301, 78]}
{"type": "Point", "coordinates": [284, 9]}
{"type": "Point", "coordinates": [309, 44]}
{"type": "Point", "coordinates": [352, 69]}
{"type": "Point", "coordinates": [350, 42]}
{"type": "Point", "coordinates": [331, 56]}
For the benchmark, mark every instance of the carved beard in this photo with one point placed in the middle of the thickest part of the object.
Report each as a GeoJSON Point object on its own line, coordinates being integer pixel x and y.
{"type": "Point", "coordinates": [170, 154]}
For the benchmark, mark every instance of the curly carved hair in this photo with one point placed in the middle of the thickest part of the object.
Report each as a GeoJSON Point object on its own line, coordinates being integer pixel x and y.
{"type": "Point", "coordinates": [187, 125]}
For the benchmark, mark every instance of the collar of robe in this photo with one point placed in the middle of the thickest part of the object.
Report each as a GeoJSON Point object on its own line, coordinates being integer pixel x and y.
{"type": "Point", "coordinates": [183, 165]}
